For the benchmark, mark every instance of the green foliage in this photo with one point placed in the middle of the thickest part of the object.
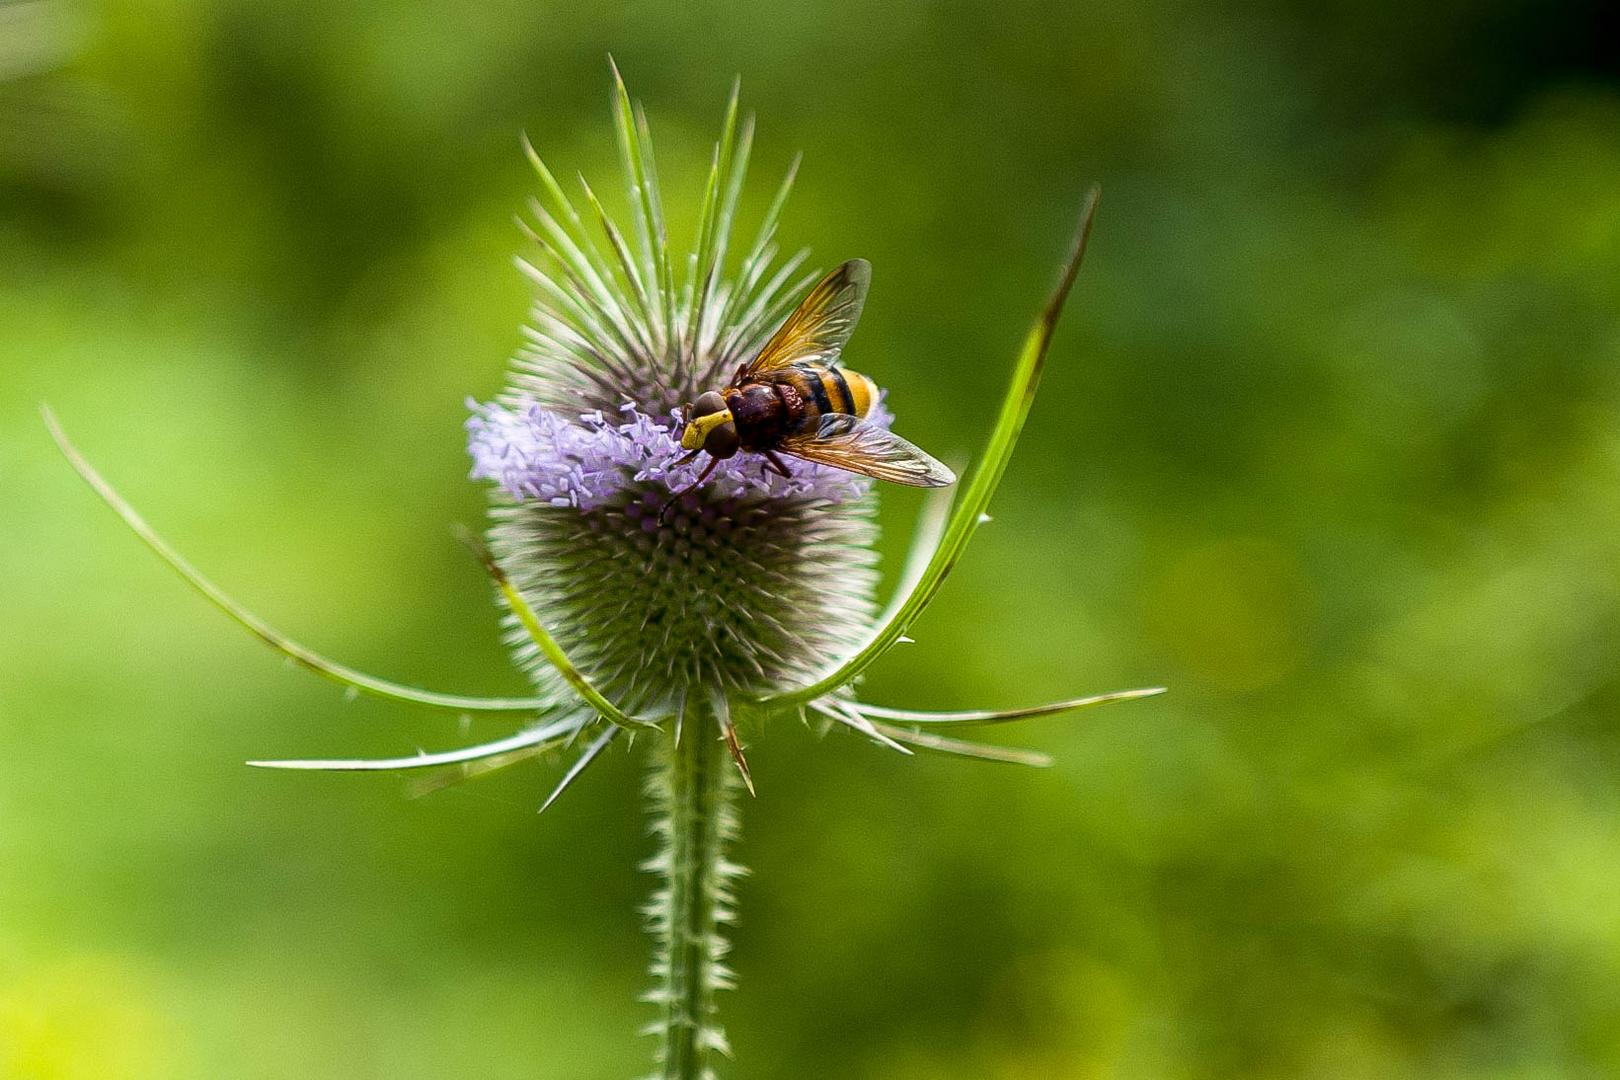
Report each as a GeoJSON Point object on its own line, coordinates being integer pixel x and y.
{"type": "Point", "coordinates": [1327, 444]}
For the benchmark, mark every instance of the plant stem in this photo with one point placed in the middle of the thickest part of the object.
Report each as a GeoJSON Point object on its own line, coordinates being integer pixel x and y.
{"type": "Point", "coordinates": [692, 790]}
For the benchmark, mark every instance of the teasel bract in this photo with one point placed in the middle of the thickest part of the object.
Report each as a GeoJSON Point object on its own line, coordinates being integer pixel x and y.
{"type": "Point", "coordinates": [672, 627]}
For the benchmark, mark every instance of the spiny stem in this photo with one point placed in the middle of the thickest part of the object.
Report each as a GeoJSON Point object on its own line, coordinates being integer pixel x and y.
{"type": "Point", "coordinates": [693, 790]}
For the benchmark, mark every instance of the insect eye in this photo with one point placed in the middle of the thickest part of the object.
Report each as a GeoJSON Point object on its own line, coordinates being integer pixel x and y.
{"type": "Point", "coordinates": [722, 441]}
{"type": "Point", "coordinates": [708, 403]}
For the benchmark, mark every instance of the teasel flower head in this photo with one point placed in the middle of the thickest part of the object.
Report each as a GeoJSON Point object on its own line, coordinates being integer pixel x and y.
{"type": "Point", "coordinates": [658, 613]}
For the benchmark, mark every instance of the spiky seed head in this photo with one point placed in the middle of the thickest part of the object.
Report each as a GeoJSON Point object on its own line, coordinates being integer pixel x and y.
{"type": "Point", "coordinates": [749, 584]}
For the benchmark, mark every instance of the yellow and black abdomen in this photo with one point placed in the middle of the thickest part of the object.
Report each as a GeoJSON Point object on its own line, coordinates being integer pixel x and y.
{"type": "Point", "coordinates": [790, 399]}
{"type": "Point", "coordinates": [830, 389]}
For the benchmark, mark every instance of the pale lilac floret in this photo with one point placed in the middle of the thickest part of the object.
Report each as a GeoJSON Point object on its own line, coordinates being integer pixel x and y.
{"type": "Point", "coordinates": [588, 460]}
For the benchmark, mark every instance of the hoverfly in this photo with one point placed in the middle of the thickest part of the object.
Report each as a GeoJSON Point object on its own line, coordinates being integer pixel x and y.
{"type": "Point", "coordinates": [792, 398]}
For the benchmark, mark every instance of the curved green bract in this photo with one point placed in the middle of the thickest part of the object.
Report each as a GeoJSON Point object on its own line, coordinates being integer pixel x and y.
{"type": "Point", "coordinates": [927, 740]}
{"type": "Point", "coordinates": [535, 739]}
{"type": "Point", "coordinates": [308, 658]}
{"type": "Point", "coordinates": [970, 507]}
{"type": "Point", "coordinates": [548, 645]}
{"type": "Point", "coordinates": [981, 717]}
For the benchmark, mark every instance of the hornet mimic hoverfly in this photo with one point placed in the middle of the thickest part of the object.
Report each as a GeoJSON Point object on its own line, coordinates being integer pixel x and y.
{"type": "Point", "coordinates": [792, 398]}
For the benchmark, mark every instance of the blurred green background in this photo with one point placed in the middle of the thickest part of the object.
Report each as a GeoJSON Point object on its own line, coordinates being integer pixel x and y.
{"type": "Point", "coordinates": [1328, 446]}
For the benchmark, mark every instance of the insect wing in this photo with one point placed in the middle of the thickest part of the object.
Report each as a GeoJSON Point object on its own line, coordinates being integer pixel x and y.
{"type": "Point", "coordinates": [847, 442]}
{"type": "Point", "coordinates": [821, 324]}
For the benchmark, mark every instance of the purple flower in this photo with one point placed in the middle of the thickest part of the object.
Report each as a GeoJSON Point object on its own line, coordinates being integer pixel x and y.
{"type": "Point", "coordinates": [588, 460]}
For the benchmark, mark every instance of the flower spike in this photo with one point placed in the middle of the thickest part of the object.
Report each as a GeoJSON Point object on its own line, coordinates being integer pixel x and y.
{"type": "Point", "coordinates": [641, 176]}
{"type": "Point", "coordinates": [580, 766]}
{"type": "Point", "coordinates": [574, 248]}
{"type": "Point", "coordinates": [727, 168]}
{"type": "Point", "coordinates": [975, 499]}
{"type": "Point", "coordinates": [728, 732]}
{"type": "Point", "coordinates": [328, 669]}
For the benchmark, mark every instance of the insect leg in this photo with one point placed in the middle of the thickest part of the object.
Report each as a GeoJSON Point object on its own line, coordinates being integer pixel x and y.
{"type": "Point", "coordinates": [693, 486]}
{"type": "Point", "coordinates": [778, 463]}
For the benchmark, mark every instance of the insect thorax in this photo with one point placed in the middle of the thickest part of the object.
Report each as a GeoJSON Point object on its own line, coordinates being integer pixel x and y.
{"type": "Point", "coordinates": [764, 412]}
